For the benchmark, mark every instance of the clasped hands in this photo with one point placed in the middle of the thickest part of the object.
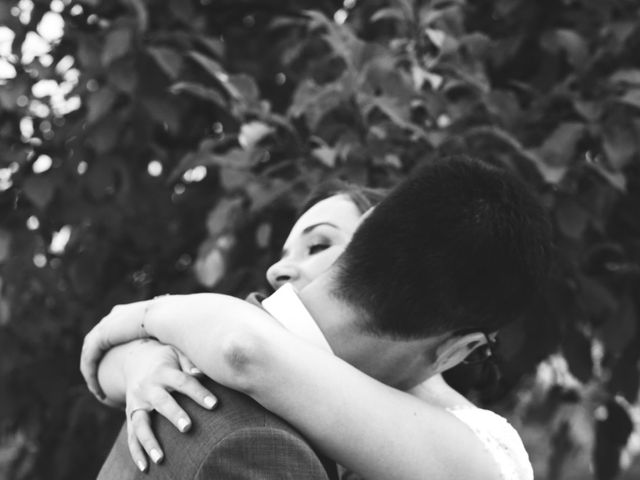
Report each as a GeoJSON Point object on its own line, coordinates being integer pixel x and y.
{"type": "Point", "coordinates": [150, 371]}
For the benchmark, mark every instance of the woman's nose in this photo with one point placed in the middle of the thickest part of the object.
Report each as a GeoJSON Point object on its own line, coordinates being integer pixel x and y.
{"type": "Point", "coordinates": [282, 272]}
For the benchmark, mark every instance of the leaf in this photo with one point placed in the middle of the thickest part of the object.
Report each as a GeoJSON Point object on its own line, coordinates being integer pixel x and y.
{"type": "Point", "coordinates": [200, 91]}
{"type": "Point", "coordinates": [574, 45]}
{"type": "Point", "coordinates": [589, 110]}
{"type": "Point", "coordinates": [314, 102]}
{"type": "Point", "coordinates": [620, 144]}
{"type": "Point", "coordinates": [560, 147]}
{"type": "Point", "coordinates": [437, 37]}
{"type": "Point", "coordinates": [5, 312]}
{"type": "Point", "coordinates": [214, 45]}
{"type": "Point", "coordinates": [632, 98]}
{"type": "Point", "coordinates": [142, 15]}
{"type": "Point", "coordinates": [246, 87]}
{"type": "Point", "coordinates": [168, 60]}
{"type": "Point", "coordinates": [389, 13]}
{"type": "Point", "coordinates": [39, 189]}
{"type": "Point", "coordinates": [5, 246]}
{"type": "Point", "coordinates": [117, 45]}
{"type": "Point", "coordinates": [326, 155]}
{"type": "Point", "coordinates": [253, 133]}
{"type": "Point", "coordinates": [342, 41]}
{"type": "Point", "coordinates": [381, 74]}
{"type": "Point", "coordinates": [215, 69]}
{"type": "Point", "coordinates": [225, 216]}
{"type": "Point", "coordinates": [263, 235]}
{"type": "Point", "coordinates": [99, 103]}
{"type": "Point", "coordinates": [478, 45]}
{"type": "Point", "coordinates": [124, 77]}
{"type": "Point", "coordinates": [233, 179]}
{"type": "Point", "coordinates": [235, 158]}
{"type": "Point", "coordinates": [615, 179]}
{"type": "Point", "coordinates": [629, 76]}
{"type": "Point", "coordinates": [622, 30]}
{"type": "Point", "coordinates": [211, 265]}
{"type": "Point", "coordinates": [397, 112]}
{"type": "Point", "coordinates": [164, 111]}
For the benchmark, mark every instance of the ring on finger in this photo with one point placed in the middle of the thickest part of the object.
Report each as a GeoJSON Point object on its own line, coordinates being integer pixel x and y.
{"type": "Point", "coordinates": [135, 409]}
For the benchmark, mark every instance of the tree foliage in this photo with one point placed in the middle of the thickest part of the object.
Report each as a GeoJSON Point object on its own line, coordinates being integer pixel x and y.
{"type": "Point", "coordinates": [190, 131]}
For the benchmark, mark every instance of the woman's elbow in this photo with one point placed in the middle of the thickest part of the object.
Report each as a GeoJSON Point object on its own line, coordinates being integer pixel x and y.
{"type": "Point", "coordinates": [242, 354]}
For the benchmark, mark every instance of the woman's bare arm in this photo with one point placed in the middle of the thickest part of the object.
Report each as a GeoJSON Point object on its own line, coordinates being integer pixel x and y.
{"type": "Point", "coordinates": [372, 429]}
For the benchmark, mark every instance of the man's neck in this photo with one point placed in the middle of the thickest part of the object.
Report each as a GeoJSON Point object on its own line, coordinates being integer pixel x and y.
{"type": "Point", "coordinates": [381, 357]}
{"type": "Point", "coordinates": [345, 330]}
{"type": "Point", "coordinates": [335, 319]}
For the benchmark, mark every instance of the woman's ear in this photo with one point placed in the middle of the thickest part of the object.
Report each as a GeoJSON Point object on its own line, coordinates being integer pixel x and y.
{"type": "Point", "coordinates": [456, 349]}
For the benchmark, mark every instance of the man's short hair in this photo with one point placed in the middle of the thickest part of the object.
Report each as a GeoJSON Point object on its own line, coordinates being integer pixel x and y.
{"type": "Point", "coordinates": [459, 245]}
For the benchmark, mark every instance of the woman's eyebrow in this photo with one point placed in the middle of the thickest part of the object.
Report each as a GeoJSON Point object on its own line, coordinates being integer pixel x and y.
{"type": "Point", "coordinates": [308, 229]}
{"type": "Point", "coordinates": [316, 225]}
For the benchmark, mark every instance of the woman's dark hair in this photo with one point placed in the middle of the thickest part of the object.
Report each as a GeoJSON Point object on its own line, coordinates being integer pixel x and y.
{"type": "Point", "coordinates": [362, 197]}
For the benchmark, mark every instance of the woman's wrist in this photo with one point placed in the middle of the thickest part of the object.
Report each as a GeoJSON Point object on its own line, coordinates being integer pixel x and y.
{"type": "Point", "coordinates": [150, 319]}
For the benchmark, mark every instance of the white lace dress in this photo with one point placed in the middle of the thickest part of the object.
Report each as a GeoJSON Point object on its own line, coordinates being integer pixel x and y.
{"type": "Point", "coordinates": [500, 439]}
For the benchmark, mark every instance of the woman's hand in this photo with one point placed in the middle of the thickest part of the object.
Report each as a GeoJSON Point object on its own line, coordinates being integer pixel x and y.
{"type": "Point", "coordinates": [123, 324]}
{"type": "Point", "coordinates": [152, 370]}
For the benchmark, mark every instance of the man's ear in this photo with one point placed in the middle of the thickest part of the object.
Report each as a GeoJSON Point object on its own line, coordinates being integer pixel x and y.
{"type": "Point", "coordinates": [456, 348]}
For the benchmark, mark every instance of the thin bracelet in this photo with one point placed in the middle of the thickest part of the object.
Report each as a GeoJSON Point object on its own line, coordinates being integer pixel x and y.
{"type": "Point", "coordinates": [143, 328]}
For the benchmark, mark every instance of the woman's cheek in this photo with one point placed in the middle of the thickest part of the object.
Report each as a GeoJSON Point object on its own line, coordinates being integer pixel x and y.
{"type": "Point", "coordinates": [326, 259]}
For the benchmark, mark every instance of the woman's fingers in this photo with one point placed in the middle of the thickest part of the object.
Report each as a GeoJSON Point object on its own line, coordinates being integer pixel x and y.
{"type": "Point", "coordinates": [135, 449]}
{"type": "Point", "coordinates": [187, 385]}
{"type": "Point", "coordinates": [89, 360]}
{"type": "Point", "coordinates": [167, 406]}
{"type": "Point", "coordinates": [140, 425]}
{"type": "Point", "coordinates": [177, 381]}
{"type": "Point", "coordinates": [187, 365]}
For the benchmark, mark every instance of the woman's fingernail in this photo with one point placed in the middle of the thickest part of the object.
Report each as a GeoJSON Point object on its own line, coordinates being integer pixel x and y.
{"type": "Point", "coordinates": [142, 465]}
{"type": "Point", "coordinates": [209, 401]}
{"type": "Point", "coordinates": [195, 371]}
{"type": "Point", "coordinates": [183, 424]}
{"type": "Point", "coordinates": [156, 456]}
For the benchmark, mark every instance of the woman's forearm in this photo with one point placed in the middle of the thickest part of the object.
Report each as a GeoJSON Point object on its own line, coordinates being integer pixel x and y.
{"type": "Point", "coordinates": [370, 428]}
{"type": "Point", "coordinates": [225, 337]}
{"type": "Point", "coordinates": [111, 375]}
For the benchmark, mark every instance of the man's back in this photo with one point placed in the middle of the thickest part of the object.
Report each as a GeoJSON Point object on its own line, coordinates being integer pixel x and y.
{"type": "Point", "coordinates": [238, 440]}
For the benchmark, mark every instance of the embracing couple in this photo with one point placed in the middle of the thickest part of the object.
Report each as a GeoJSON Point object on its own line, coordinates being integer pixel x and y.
{"type": "Point", "coordinates": [336, 374]}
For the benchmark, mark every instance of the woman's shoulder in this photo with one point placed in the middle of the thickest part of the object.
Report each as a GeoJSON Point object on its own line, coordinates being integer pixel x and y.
{"type": "Point", "coordinates": [500, 439]}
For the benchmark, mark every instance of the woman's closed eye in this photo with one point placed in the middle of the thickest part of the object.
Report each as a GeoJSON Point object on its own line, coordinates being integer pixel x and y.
{"type": "Point", "coordinates": [318, 247]}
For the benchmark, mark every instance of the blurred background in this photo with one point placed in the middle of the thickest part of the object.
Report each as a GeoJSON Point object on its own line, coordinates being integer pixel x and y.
{"type": "Point", "coordinates": [151, 147]}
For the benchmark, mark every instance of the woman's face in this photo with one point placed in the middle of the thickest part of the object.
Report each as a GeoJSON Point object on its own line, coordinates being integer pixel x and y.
{"type": "Point", "coordinates": [316, 240]}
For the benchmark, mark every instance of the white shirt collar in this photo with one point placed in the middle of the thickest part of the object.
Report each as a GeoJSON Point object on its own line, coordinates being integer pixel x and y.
{"type": "Point", "coordinates": [286, 307]}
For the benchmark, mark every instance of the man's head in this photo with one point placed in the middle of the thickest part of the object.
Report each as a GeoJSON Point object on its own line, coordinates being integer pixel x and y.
{"type": "Point", "coordinates": [458, 247]}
